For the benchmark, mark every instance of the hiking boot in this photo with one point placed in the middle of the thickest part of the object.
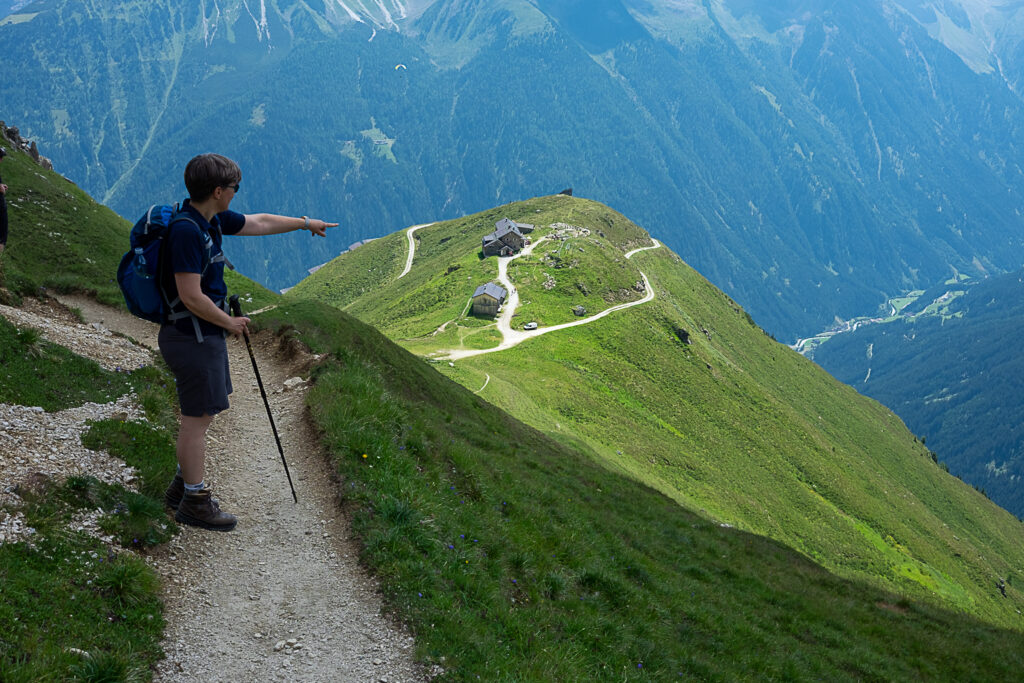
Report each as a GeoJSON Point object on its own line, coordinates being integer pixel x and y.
{"type": "Point", "coordinates": [200, 509]}
{"type": "Point", "coordinates": [174, 492]}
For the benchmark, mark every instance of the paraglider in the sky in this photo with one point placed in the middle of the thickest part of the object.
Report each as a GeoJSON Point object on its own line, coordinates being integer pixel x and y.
{"type": "Point", "coordinates": [400, 66]}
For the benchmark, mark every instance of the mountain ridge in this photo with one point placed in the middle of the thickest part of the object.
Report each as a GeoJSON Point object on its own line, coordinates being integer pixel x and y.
{"type": "Point", "coordinates": [687, 395]}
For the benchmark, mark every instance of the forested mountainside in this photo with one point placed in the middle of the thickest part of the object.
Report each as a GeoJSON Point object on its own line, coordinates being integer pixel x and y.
{"type": "Point", "coordinates": [810, 158]}
{"type": "Point", "coordinates": [952, 369]}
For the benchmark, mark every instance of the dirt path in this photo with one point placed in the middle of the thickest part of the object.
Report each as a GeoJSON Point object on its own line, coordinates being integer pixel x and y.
{"type": "Point", "coordinates": [282, 597]}
{"type": "Point", "coordinates": [412, 247]}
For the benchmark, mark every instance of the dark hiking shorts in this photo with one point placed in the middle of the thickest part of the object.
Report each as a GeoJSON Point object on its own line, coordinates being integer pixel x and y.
{"type": "Point", "coordinates": [200, 370]}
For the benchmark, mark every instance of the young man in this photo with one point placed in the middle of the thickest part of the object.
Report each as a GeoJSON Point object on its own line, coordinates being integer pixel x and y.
{"type": "Point", "coordinates": [192, 341]}
{"type": "Point", "coordinates": [3, 209]}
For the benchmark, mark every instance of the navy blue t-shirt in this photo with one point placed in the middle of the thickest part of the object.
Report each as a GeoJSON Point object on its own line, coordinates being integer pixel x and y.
{"type": "Point", "coordinates": [184, 252]}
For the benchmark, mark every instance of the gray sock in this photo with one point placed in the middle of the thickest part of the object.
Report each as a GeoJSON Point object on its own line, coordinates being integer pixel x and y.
{"type": "Point", "coordinates": [194, 488]}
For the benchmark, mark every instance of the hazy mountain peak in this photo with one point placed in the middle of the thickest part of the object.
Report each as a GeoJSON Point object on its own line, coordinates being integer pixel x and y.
{"type": "Point", "coordinates": [267, 21]}
{"type": "Point", "coordinates": [966, 28]}
{"type": "Point", "coordinates": [454, 31]}
{"type": "Point", "coordinates": [379, 13]}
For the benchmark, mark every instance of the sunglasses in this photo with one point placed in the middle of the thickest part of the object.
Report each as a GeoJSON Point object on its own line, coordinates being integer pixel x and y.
{"type": "Point", "coordinates": [234, 187]}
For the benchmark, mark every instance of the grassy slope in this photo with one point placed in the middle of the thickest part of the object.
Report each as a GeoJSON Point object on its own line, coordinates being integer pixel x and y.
{"type": "Point", "coordinates": [66, 589]}
{"type": "Point", "coordinates": [759, 437]}
{"type": "Point", "coordinates": [59, 238]}
{"type": "Point", "coordinates": [516, 557]}
{"type": "Point", "coordinates": [735, 425]}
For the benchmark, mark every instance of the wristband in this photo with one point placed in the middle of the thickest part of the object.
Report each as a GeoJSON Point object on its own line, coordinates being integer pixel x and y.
{"type": "Point", "coordinates": [306, 226]}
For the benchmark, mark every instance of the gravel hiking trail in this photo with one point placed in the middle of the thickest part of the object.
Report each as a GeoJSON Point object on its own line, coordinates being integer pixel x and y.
{"type": "Point", "coordinates": [282, 597]}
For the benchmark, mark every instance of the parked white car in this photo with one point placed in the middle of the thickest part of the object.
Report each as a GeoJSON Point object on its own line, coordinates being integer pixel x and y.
{"type": "Point", "coordinates": [530, 326]}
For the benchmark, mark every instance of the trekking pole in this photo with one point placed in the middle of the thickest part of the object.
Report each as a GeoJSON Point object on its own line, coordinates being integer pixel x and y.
{"type": "Point", "coordinates": [236, 310]}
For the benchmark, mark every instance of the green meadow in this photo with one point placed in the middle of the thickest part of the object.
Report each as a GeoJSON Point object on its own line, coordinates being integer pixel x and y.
{"type": "Point", "coordinates": [686, 394]}
{"type": "Point", "coordinates": [519, 555]}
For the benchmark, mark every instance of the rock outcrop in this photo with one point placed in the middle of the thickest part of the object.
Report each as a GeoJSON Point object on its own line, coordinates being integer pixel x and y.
{"type": "Point", "coordinates": [13, 135]}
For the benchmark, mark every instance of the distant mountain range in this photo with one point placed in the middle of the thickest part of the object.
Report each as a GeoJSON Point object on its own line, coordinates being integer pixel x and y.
{"type": "Point", "coordinates": [811, 158]}
{"type": "Point", "coordinates": [952, 369]}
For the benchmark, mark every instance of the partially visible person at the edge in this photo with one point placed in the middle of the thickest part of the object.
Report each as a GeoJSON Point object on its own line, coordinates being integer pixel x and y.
{"type": "Point", "coordinates": [192, 341]}
{"type": "Point", "coordinates": [3, 209]}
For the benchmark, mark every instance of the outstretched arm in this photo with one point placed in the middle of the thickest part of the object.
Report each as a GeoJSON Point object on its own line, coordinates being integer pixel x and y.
{"type": "Point", "coordinates": [270, 224]}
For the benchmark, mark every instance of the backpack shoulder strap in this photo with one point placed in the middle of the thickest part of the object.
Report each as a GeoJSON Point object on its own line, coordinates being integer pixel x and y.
{"type": "Point", "coordinates": [175, 309]}
{"type": "Point", "coordinates": [207, 260]}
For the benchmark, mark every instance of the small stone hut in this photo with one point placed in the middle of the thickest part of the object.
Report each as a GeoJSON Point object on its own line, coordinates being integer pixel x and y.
{"type": "Point", "coordinates": [487, 298]}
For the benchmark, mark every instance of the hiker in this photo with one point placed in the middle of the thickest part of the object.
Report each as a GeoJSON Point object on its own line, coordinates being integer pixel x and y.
{"type": "Point", "coordinates": [3, 208]}
{"type": "Point", "coordinates": [194, 345]}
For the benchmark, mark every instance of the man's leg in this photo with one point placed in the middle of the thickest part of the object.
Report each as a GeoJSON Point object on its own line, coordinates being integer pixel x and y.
{"type": "Point", "coordinates": [191, 447]}
{"type": "Point", "coordinates": [197, 508]}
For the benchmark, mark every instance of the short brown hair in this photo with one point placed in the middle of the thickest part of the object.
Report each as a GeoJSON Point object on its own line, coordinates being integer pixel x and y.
{"type": "Point", "coordinates": [206, 172]}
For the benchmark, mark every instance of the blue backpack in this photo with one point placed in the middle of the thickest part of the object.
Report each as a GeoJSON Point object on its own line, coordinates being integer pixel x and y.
{"type": "Point", "coordinates": [140, 275]}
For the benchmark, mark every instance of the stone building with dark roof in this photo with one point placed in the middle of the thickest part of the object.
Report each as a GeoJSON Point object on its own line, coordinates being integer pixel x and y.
{"type": "Point", "coordinates": [508, 238]}
{"type": "Point", "coordinates": [504, 241]}
{"type": "Point", "coordinates": [524, 228]}
{"type": "Point", "coordinates": [487, 299]}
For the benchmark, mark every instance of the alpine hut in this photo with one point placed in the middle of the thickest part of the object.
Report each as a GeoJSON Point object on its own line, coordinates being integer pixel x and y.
{"type": "Point", "coordinates": [504, 241]}
{"type": "Point", "coordinates": [487, 299]}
